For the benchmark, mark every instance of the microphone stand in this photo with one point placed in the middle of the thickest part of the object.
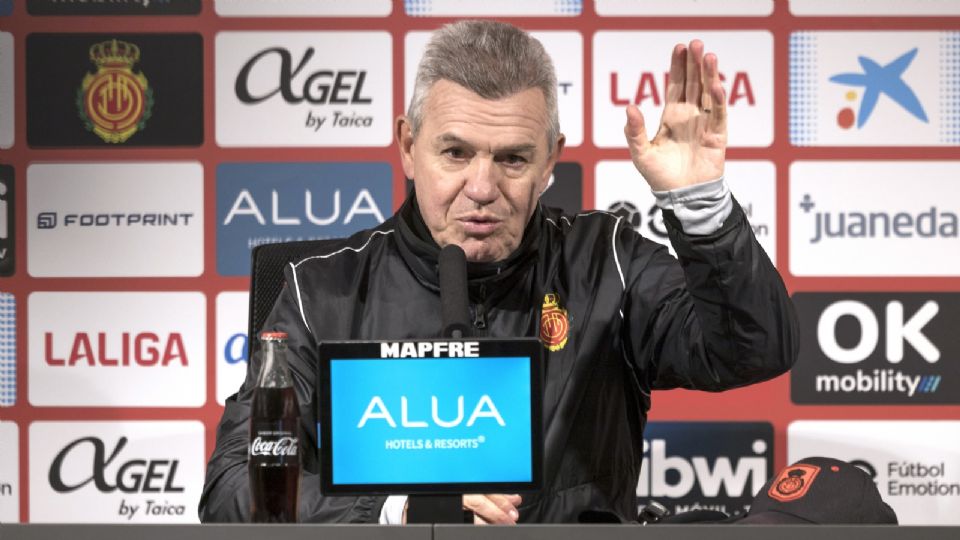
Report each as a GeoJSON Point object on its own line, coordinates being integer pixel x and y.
{"type": "Point", "coordinates": [447, 508]}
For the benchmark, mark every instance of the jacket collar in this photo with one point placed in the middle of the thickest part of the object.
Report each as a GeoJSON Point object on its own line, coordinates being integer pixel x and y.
{"type": "Point", "coordinates": [421, 252]}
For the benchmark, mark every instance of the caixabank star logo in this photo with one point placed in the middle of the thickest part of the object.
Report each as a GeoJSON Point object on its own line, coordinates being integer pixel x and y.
{"type": "Point", "coordinates": [114, 90]}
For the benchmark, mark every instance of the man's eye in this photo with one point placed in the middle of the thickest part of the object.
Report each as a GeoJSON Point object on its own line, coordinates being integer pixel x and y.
{"type": "Point", "coordinates": [455, 153]}
{"type": "Point", "coordinates": [514, 160]}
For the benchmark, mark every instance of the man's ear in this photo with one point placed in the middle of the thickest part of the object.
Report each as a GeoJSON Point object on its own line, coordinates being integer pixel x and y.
{"type": "Point", "coordinates": [404, 133]}
{"type": "Point", "coordinates": [552, 161]}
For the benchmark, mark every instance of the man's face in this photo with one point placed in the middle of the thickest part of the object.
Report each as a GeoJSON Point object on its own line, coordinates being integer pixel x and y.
{"type": "Point", "coordinates": [479, 167]}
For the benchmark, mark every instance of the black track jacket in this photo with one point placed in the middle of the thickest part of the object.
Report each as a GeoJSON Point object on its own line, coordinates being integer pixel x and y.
{"type": "Point", "coordinates": [639, 320]}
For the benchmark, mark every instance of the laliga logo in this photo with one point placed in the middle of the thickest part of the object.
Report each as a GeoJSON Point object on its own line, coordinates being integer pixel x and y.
{"type": "Point", "coordinates": [376, 409]}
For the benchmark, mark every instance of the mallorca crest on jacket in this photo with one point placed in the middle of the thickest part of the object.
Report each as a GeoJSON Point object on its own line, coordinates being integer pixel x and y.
{"type": "Point", "coordinates": [554, 324]}
{"type": "Point", "coordinates": [114, 102]}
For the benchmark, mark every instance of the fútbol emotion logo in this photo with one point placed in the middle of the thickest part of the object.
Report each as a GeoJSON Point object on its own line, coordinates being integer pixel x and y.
{"type": "Point", "coordinates": [115, 472]}
{"type": "Point", "coordinates": [877, 348]}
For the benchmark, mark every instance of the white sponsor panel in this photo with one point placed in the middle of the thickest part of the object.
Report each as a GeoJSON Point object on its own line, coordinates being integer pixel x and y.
{"type": "Point", "coordinates": [684, 8]}
{"type": "Point", "coordinates": [566, 51]}
{"type": "Point", "coordinates": [232, 309]}
{"type": "Point", "coordinates": [633, 68]}
{"type": "Point", "coordinates": [9, 473]}
{"type": "Point", "coordinates": [304, 89]}
{"type": "Point", "coordinates": [874, 88]}
{"type": "Point", "coordinates": [874, 218]}
{"type": "Point", "coordinates": [529, 8]}
{"type": "Point", "coordinates": [6, 90]}
{"type": "Point", "coordinates": [116, 472]}
{"type": "Point", "coordinates": [117, 349]}
{"type": "Point", "coordinates": [913, 8]}
{"type": "Point", "coordinates": [302, 8]}
{"type": "Point", "coordinates": [115, 219]}
{"type": "Point", "coordinates": [915, 463]}
{"type": "Point", "coordinates": [622, 190]}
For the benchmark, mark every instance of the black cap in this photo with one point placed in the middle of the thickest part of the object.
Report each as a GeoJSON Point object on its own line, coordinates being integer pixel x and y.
{"type": "Point", "coordinates": [819, 490]}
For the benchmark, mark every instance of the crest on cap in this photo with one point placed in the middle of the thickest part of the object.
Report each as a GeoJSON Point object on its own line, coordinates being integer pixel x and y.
{"type": "Point", "coordinates": [793, 482]}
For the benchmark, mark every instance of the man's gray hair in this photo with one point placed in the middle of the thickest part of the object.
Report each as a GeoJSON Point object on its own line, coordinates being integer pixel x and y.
{"type": "Point", "coordinates": [491, 59]}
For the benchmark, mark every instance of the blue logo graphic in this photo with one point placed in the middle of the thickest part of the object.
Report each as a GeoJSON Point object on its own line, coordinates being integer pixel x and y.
{"type": "Point", "coordinates": [877, 80]}
{"type": "Point", "coordinates": [8, 349]}
{"type": "Point", "coordinates": [6, 7]}
{"type": "Point", "coordinates": [260, 203]}
{"type": "Point", "coordinates": [431, 420]}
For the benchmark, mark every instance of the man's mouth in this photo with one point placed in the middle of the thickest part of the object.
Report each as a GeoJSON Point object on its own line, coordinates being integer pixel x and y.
{"type": "Point", "coordinates": [479, 225]}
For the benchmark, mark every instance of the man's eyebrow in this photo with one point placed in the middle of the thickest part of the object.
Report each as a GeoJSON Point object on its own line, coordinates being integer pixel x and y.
{"type": "Point", "coordinates": [450, 138]}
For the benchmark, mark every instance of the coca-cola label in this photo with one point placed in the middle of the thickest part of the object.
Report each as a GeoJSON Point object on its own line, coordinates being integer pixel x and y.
{"type": "Point", "coordinates": [274, 446]}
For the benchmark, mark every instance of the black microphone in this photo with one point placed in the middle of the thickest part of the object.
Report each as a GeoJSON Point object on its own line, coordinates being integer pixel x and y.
{"type": "Point", "coordinates": [454, 303]}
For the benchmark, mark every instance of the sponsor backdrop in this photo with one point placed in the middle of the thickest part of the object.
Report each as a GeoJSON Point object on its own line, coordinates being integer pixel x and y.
{"type": "Point", "coordinates": [146, 147]}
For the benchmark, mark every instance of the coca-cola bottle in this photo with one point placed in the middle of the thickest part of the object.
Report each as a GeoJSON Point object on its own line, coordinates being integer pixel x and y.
{"type": "Point", "coordinates": [274, 458]}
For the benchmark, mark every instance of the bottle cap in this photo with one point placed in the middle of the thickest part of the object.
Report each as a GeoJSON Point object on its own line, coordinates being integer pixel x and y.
{"type": "Point", "coordinates": [272, 336]}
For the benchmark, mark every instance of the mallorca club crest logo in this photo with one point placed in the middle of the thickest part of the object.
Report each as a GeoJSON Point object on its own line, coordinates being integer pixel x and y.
{"type": "Point", "coordinates": [793, 482]}
{"type": "Point", "coordinates": [554, 325]}
{"type": "Point", "coordinates": [114, 102]}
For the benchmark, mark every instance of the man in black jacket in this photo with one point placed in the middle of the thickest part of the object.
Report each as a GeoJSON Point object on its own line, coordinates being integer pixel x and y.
{"type": "Point", "coordinates": [617, 315]}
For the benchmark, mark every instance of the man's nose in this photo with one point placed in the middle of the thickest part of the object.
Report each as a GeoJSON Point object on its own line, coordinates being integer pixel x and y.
{"type": "Point", "coordinates": [483, 181]}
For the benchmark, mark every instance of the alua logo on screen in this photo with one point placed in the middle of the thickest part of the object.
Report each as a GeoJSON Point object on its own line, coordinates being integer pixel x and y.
{"type": "Point", "coordinates": [146, 484]}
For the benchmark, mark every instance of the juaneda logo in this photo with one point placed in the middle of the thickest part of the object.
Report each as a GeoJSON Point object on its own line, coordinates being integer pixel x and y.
{"type": "Point", "coordinates": [115, 102]}
{"type": "Point", "coordinates": [143, 90]}
{"type": "Point", "coordinates": [834, 230]}
{"type": "Point", "coordinates": [115, 471]}
{"type": "Point", "coordinates": [303, 89]}
{"type": "Point", "coordinates": [877, 348]}
{"type": "Point", "coordinates": [705, 465]}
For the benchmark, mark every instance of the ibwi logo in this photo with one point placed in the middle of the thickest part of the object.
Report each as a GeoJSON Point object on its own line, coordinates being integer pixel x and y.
{"type": "Point", "coordinates": [866, 88]}
{"type": "Point", "coordinates": [876, 348]}
{"type": "Point", "coordinates": [261, 203]}
{"type": "Point", "coordinates": [705, 465]}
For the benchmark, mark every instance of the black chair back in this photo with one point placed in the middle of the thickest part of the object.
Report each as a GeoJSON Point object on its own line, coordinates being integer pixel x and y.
{"type": "Point", "coordinates": [266, 278]}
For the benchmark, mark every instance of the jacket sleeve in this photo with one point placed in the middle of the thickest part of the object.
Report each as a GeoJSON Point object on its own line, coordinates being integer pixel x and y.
{"type": "Point", "coordinates": [719, 319]}
{"type": "Point", "coordinates": [226, 492]}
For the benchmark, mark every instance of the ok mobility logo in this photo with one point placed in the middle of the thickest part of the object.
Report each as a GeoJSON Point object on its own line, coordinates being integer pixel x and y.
{"type": "Point", "coordinates": [877, 348]}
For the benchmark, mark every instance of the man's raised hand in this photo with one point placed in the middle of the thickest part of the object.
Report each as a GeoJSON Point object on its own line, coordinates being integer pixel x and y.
{"type": "Point", "coordinates": [690, 144]}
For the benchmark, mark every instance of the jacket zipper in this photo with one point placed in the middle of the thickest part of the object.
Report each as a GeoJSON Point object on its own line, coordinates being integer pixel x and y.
{"type": "Point", "coordinates": [480, 310]}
